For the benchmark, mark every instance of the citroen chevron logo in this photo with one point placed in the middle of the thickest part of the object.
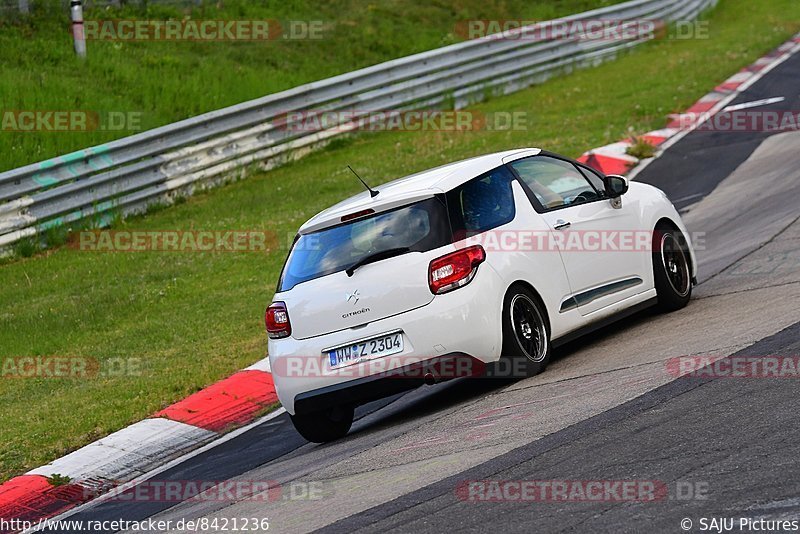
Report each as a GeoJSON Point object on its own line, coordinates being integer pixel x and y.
{"type": "Point", "coordinates": [354, 296]}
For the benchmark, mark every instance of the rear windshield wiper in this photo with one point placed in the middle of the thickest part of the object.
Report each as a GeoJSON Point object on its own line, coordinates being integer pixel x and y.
{"type": "Point", "coordinates": [378, 256]}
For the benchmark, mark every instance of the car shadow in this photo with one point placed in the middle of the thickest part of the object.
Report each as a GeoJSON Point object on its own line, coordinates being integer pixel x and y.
{"type": "Point", "coordinates": [430, 399]}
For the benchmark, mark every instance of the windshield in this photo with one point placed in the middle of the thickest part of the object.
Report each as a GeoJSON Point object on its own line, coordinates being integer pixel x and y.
{"type": "Point", "coordinates": [420, 227]}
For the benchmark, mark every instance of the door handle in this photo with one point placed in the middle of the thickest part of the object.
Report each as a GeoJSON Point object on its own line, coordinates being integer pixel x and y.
{"type": "Point", "coordinates": [561, 224]}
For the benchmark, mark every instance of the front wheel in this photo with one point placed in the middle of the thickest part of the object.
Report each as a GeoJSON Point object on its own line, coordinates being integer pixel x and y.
{"type": "Point", "coordinates": [526, 335]}
{"type": "Point", "coordinates": [673, 278]}
{"type": "Point", "coordinates": [321, 427]}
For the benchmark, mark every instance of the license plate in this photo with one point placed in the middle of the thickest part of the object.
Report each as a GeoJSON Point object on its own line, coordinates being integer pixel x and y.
{"type": "Point", "coordinates": [366, 349]}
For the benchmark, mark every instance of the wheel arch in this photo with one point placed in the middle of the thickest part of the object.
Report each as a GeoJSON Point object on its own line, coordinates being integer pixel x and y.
{"type": "Point", "coordinates": [527, 285]}
{"type": "Point", "coordinates": [672, 225]}
{"type": "Point", "coordinates": [666, 221]}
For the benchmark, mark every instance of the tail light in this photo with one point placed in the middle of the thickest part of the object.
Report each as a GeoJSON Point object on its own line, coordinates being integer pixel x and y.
{"type": "Point", "coordinates": [277, 320]}
{"type": "Point", "coordinates": [356, 215]}
{"type": "Point", "coordinates": [455, 270]}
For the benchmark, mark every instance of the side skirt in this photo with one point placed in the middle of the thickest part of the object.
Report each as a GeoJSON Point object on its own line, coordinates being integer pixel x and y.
{"type": "Point", "coordinates": [605, 321]}
{"type": "Point", "coordinates": [586, 297]}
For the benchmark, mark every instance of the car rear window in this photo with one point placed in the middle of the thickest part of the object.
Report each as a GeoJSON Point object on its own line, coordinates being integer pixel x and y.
{"type": "Point", "coordinates": [476, 206]}
{"type": "Point", "coordinates": [420, 227]}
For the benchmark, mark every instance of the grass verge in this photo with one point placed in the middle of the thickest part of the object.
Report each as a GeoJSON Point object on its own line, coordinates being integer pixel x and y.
{"type": "Point", "coordinates": [138, 85]}
{"type": "Point", "coordinates": [193, 318]}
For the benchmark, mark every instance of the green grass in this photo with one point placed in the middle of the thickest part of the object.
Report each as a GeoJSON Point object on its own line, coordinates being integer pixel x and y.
{"type": "Point", "coordinates": [165, 81]}
{"type": "Point", "coordinates": [641, 149]}
{"type": "Point", "coordinates": [195, 318]}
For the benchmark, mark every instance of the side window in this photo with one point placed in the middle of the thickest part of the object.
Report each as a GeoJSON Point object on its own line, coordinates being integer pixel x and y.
{"type": "Point", "coordinates": [481, 204]}
{"type": "Point", "coordinates": [594, 177]}
{"type": "Point", "coordinates": [555, 183]}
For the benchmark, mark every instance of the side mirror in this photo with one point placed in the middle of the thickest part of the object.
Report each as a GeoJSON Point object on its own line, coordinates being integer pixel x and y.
{"type": "Point", "coordinates": [616, 185]}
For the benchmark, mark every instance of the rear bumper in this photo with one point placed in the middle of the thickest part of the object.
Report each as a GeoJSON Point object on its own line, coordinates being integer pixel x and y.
{"type": "Point", "coordinates": [388, 383]}
{"type": "Point", "coordinates": [464, 321]}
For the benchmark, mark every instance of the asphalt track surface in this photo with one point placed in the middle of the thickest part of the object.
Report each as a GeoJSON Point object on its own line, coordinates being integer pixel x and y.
{"type": "Point", "coordinates": [607, 408]}
{"type": "Point", "coordinates": [700, 161]}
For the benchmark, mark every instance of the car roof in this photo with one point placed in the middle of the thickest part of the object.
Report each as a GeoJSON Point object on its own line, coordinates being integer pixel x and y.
{"type": "Point", "coordinates": [415, 187]}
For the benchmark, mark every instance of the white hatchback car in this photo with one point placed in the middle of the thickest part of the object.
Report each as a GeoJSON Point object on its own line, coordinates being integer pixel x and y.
{"type": "Point", "coordinates": [479, 266]}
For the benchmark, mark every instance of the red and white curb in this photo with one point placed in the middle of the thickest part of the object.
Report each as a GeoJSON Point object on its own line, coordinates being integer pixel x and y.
{"type": "Point", "coordinates": [614, 159]}
{"type": "Point", "coordinates": [240, 399]}
{"type": "Point", "coordinates": [140, 448]}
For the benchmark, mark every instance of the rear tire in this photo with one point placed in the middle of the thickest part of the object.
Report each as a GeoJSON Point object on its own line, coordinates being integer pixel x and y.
{"type": "Point", "coordinates": [671, 268]}
{"type": "Point", "coordinates": [321, 427]}
{"type": "Point", "coordinates": [526, 335]}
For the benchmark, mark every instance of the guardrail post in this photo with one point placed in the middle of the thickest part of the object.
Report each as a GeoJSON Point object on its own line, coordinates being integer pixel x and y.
{"type": "Point", "coordinates": [78, 35]}
{"type": "Point", "coordinates": [24, 7]}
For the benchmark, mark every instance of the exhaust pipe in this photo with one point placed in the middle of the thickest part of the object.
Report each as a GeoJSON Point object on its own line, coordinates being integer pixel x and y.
{"type": "Point", "coordinates": [430, 378]}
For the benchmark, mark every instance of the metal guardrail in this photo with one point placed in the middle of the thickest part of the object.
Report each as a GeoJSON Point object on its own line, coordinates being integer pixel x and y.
{"type": "Point", "coordinates": [127, 175]}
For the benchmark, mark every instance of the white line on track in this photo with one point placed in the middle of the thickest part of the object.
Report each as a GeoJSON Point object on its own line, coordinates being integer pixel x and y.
{"type": "Point", "coordinates": [755, 103]}
{"type": "Point", "coordinates": [742, 88]}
